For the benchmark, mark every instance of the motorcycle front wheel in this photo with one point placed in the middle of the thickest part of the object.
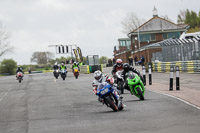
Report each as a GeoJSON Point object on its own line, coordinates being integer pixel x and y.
{"type": "Point", "coordinates": [140, 93]}
{"type": "Point", "coordinates": [111, 103]}
{"type": "Point", "coordinates": [121, 87]}
{"type": "Point", "coordinates": [20, 80]}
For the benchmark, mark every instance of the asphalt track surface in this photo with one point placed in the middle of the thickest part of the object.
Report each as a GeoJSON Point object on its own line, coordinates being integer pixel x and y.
{"type": "Point", "coordinates": [41, 104]}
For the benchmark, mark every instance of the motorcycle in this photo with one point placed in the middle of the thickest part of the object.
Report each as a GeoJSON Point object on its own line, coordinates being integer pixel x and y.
{"type": "Point", "coordinates": [76, 72]}
{"type": "Point", "coordinates": [106, 92]}
{"type": "Point", "coordinates": [136, 85]}
{"type": "Point", "coordinates": [120, 81]}
{"type": "Point", "coordinates": [56, 73]}
{"type": "Point", "coordinates": [20, 76]}
{"type": "Point", "coordinates": [63, 74]}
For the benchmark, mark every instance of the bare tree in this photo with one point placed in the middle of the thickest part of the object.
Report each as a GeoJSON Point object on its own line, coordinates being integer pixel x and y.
{"type": "Point", "coordinates": [42, 57]}
{"type": "Point", "coordinates": [181, 17]}
{"type": "Point", "coordinates": [131, 22]}
{"type": "Point", "coordinates": [4, 43]}
{"type": "Point", "coordinates": [166, 18]}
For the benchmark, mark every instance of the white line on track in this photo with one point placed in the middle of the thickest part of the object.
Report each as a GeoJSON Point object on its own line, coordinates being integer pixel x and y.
{"type": "Point", "coordinates": [177, 99]}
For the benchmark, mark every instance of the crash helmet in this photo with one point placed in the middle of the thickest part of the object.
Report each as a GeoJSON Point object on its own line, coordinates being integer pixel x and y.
{"type": "Point", "coordinates": [119, 62]}
{"type": "Point", "coordinates": [62, 64]}
{"type": "Point", "coordinates": [126, 67]}
{"type": "Point", "coordinates": [98, 75]}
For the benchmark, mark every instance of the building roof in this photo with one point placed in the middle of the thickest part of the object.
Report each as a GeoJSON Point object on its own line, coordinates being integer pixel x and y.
{"type": "Point", "coordinates": [124, 39]}
{"type": "Point", "coordinates": [159, 24]}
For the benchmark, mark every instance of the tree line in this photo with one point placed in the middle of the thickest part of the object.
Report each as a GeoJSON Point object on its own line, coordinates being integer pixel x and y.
{"type": "Point", "coordinates": [191, 18]}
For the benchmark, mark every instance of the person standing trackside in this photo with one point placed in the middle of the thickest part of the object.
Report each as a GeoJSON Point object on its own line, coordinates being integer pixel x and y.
{"type": "Point", "coordinates": [130, 60]}
{"type": "Point", "coordinates": [135, 60]}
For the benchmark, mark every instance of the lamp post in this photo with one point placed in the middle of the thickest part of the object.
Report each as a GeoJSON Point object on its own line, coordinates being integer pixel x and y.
{"type": "Point", "coordinates": [139, 39]}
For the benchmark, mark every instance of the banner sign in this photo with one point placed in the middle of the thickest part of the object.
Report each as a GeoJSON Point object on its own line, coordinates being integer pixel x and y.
{"type": "Point", "coordinates": [80, 54]}
{"type": "Point", "coordinates": [76, 54]}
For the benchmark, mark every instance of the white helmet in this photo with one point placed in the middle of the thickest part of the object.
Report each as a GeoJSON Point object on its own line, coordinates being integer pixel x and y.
{"type": "Point", "coordinates": [119, 62]}
{"type": "Point", "coordinates": [98, 75]}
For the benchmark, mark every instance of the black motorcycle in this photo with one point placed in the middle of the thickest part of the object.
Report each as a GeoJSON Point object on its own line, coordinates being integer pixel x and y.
{"type": "Point", "coordinates": [63, 74]}
{"type": "Point", "coordinates": [56, 73]}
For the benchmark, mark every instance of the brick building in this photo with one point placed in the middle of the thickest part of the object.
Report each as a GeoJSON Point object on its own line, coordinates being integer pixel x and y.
{"type": "Point", "coordinates": [154, 30]}
{"type": "Point", "coordinates": [124, 49]}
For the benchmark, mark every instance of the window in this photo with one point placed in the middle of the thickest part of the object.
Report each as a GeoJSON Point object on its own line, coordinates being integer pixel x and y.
{"type": "Point", "coordinates": [165, 36]}
{"type": "Point", "coordinates": [122, 43]}
{"type": "Point", "coordinates": [144, 38]}
{"type": "Point", "coordinates": [153, 37]}
{"type": "Point", "coordinates": [173, 35]}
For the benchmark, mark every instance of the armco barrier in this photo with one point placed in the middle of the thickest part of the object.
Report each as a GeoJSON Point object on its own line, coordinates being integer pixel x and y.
{"type": "Point", "coordinates": [184, 66]}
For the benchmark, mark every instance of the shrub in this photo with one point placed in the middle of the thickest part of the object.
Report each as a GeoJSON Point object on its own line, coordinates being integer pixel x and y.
{"type": "Point", "coordinates": [8, 66]}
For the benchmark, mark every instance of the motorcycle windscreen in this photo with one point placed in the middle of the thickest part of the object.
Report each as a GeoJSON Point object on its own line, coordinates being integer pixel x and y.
{"type": "Point", "coordinates": [102, 85]}
{"type": "Point", "coordinates": [119, 73]}
{"type": "Point", "coordinates": [131, 75]}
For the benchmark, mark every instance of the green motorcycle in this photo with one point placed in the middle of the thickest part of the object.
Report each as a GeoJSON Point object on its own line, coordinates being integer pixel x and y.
{"type": "Point", "coordinates": [136, 85]}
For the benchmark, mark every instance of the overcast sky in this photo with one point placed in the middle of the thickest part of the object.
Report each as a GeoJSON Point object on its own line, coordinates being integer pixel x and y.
{"type": "Point", "coordinates": [93, 25]}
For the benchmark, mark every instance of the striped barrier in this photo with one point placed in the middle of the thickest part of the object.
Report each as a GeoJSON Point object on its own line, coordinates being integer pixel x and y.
{"type": "Point", "coordinates": [84, 69]}
{"type": "Point", "coordinates": [184, 66]}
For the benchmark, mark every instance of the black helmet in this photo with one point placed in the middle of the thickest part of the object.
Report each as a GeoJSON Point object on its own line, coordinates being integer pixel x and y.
{"type": "Point", "coordinates": [126, 67]}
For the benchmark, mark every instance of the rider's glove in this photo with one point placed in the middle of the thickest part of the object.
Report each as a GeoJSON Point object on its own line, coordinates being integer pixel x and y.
{"type": "Point", "coordinates": [110, 80]}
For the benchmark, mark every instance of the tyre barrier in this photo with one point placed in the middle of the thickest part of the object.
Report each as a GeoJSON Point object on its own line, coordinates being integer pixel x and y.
{"type": "Point", "coordinates": [184, 66]}
{"type": "Point", "coordinates": [94, 68]}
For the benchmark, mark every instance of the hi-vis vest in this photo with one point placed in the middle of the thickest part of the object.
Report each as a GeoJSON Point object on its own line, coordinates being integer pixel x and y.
{"type": "Point", "coordinates": [75, 66]}
{"type": "Point", "coordinates": [62, 67]}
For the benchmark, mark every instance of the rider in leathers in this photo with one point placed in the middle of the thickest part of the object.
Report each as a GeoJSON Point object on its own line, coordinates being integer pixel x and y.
{"type": "Point", "coordinates": [19, 69]}
{"type": "Point", "coordinates": [99, 77]}
{"type": "Point", "coordinates": [117, 67]}
{"type": "Point", "coordinates": [128, 68]}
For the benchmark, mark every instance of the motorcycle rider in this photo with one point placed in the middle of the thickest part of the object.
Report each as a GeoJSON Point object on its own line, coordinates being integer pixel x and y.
{"type": "Point", "coordinates": [99, 77]}
{"type": "Point", "coordinates": [19, 69]}
{"type": "Point", "coordinates": [55, 67]}
{"type": "Point", "coordinates": [75, 65]}
{"type": "Point", "coordinates": [128, 68]}
{"type": "Point", "coordinates": [117, 67]}
{"type": "Point", "coordinates": [63, 67]}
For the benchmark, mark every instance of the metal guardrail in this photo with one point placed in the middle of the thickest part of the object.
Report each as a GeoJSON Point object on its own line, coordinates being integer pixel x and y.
{"type": "Point", "coordinates": [184, 66]}
{"type": "Point", "coordinates": [178, 50]}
